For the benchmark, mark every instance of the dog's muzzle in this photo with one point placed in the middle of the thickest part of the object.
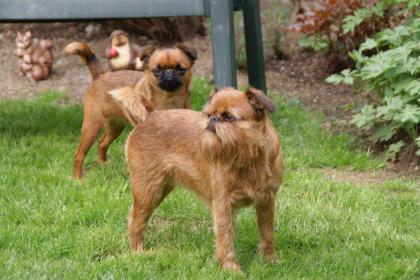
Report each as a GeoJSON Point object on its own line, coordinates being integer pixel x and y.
{"type": "Point", "coordinates": [211, 126]}
{"type": "Point", "coordinates": [169, 80]}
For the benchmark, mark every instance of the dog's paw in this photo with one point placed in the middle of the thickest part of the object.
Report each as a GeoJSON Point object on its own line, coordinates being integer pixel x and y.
{"type": "Point", "coordinates": [78, 175]}
{"type": "Point", "coordinates": [268, 252]}
{"type": "Point", "coordinates": [232, 266]}
{"type": "Point", "coordinates": [139, 248]}
{"type": "Point", "coordinates": [271, 257]}
{"type": "Point", "coordinates": [102, 159]}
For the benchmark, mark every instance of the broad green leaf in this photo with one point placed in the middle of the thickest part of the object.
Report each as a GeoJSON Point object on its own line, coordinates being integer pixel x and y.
{"type": "Point", "coordinates": [368, 45]}
{"type": "Point", "coordinates": [393, 37]}
{"type": "Point", "coordinates": [410, 113]}
{"type": "Point", "coordinates": [413, 88]}
{"type": "Point", "coordinates": [394, 103]}
{"type": "Point", "coordinates": [335, 79]}
{"type": "Point", "coordinates": [379, 9]}
{"type": "Point", "coordinates": [305, 42]}
{"type": "Point", "coordinates": [318, 43]}
{"type": "Point", "coordinates": [384, 113]}
{"type": "Point", "coordinates": [347, 76]}
{"type": "Point", "coordinates": [384, 133]}
{"type": "Point", "coordinates": [365, 118]}
{"type": "Point", "coordinates": [413, 4]}
{"type": "Point", "coordinates": [352, 21]}
{"type": "Point", "coordinates": [377, 65]}
{"type": "Point", "coordinates": [401, 84]}
{"type": "Point", "coordinates": [393, 149]}
{"type": "Point", "coordinates": [409, 65]}
{"type": "Point", "coordinates": [348, 80]}
{"type": "Point", "coordinates": [357, 57]}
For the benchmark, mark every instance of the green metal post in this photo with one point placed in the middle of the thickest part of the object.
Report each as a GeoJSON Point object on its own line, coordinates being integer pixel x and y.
{"type": "Point", "coordinates": [254, 44]}
{"type": "Point", "coordinates": [223, 42]}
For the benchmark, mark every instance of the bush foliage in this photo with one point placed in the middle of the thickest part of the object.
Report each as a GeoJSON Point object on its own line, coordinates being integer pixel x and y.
{"type": "Point", "coordinates": [393, 73]}
{"type": "Point", "coordinates": [340, 26]}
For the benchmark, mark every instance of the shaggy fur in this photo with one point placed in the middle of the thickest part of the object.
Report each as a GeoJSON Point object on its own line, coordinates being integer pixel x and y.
{"type": "Point", "coordinates": [229, 155]}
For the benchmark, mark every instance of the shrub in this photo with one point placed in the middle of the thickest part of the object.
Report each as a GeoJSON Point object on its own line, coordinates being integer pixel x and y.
{"type": "Point", "coordinates": [392, 73]}
{"type": "Point", "coordinates": [342, 25]}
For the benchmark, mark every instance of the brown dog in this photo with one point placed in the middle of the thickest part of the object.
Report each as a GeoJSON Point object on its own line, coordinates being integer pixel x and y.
{"type": "Point", "coordinates": [230, 156]}
{"type": "Point", "coordinates": [163, 85]}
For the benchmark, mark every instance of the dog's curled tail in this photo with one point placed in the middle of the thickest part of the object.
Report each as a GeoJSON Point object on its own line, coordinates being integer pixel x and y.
{"type": "Point", "coordinates": [87, 56]}
{"type": "Point", "coordinates": [134, 106]}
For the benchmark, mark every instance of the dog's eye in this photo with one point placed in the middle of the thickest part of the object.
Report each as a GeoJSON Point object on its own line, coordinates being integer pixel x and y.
{"type": "Point", "coordinates": [180, 70]}
{"type": "Point", "coordinates": [156, 71]}
{"type": "Point", "coordinates": [228, 117]}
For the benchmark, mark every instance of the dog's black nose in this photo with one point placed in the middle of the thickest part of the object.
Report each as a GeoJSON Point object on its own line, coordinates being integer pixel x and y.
{"type": "Point", "coordinates": [169, 80]}
{"type": "Point", "coordinates": [212, 123]}
{"type": "Point", "coordinates": [213, 119]}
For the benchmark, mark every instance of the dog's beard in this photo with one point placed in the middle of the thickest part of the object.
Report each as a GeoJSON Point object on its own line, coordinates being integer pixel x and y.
{"type": "Point", "coordinates": [237, 143]}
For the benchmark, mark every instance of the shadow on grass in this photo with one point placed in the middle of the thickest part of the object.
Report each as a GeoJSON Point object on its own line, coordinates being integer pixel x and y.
{"type": "Point", "coordinates": [43, 115]}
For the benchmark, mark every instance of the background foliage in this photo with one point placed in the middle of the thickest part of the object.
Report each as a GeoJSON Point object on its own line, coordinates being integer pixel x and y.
{"type": "Point", "coordinates": [393, 73]}
{"type": "Point", "coordinates": [340, 26]}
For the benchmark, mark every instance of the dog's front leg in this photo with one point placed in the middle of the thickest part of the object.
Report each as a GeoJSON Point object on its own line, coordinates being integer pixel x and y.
{"type": "Point", "coordinates": [265, 219]}
{"type": "Point", "coordinates": [223, 217]}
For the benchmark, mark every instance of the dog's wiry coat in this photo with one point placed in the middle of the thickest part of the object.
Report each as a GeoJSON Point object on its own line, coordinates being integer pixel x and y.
{"type": "Point", "coordinates": [229, 155]}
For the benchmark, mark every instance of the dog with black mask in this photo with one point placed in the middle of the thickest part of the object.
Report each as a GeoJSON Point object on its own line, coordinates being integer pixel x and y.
{"type": "Point", "coordinates": [167, 76]}
{"type": "Point", "coordinates": [164, 84]}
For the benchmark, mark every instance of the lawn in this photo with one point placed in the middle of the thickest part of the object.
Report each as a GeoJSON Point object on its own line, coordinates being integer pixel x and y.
{"type": "Point", "coordinates": [54, 227]}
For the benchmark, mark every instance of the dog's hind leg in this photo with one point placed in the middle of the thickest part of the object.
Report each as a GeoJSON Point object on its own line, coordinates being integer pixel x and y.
{"type": "Point", "coordinates": [90, 130]}
{"type": "Point", "coordinates": [146, 198]}
{"type": "Point", "coordinates": [112, 130]}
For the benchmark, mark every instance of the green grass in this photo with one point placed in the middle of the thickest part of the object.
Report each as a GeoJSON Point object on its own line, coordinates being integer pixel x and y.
{"type": "Point", "coordinates": [53, 227]}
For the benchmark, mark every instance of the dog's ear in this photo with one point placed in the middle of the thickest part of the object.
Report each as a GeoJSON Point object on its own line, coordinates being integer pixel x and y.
{"type": "Point", "coordinates": [259, 101]}
{"type": "Point", "coordinates": [190, 51]}
{"type": "Point", "coordinates": [146, 53]}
